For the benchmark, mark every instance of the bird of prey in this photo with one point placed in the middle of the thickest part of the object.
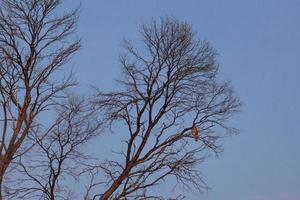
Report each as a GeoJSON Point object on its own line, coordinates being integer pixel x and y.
{"type": "Point", "coordinates": [195, 132]}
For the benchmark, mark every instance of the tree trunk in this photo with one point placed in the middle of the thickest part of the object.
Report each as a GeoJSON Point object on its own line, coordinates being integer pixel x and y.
{"type": "Point", "coordinates": [52, 193]}
{"type": "Point", "coordinates": [2, 172]}
{"type": "Point", "coordinates": [4, 163]}
{"type": "Point", "coordinates": [114, 185]}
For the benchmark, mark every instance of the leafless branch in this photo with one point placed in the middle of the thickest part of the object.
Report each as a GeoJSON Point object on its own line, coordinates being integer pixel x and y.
{"type": "Point", "coordinates": [59, 154]}
{"type": "Point", "coordinates": [168, 87]}
{"type": "Point", "coordinates": [34, 44]}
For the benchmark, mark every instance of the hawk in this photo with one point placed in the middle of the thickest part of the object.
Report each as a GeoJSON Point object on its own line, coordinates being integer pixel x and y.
{"type": "Point", "coordinates": [195, 132]}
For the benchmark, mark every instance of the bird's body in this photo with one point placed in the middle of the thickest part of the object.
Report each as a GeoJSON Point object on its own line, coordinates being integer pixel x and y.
{"type": "Point", "coordinates": [195, 132]}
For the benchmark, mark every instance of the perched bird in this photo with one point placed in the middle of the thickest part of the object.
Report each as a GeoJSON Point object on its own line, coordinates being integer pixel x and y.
{"type": "Point", "coordinates": [195, 132]}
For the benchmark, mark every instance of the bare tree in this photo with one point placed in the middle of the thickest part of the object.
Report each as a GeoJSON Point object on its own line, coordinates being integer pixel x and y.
{"type": "Point", "coordinates": [35, 42]}
{"type": "Point", "coordinates": [58, 155]}
{"type": "Point", "coordinates": [170, 87]}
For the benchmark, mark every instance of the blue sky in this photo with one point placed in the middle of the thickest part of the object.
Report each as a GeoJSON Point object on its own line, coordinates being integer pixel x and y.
{"type": "Point", "coordinates": [259, 46]}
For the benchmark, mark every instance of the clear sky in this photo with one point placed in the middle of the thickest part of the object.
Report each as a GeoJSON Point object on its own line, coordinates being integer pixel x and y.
{"type": "Point", "coordinates": [259, 46]}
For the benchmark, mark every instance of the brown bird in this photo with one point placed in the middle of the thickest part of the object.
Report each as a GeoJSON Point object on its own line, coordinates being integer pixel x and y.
{"type": "Point", "coordinates": [195, 132]}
